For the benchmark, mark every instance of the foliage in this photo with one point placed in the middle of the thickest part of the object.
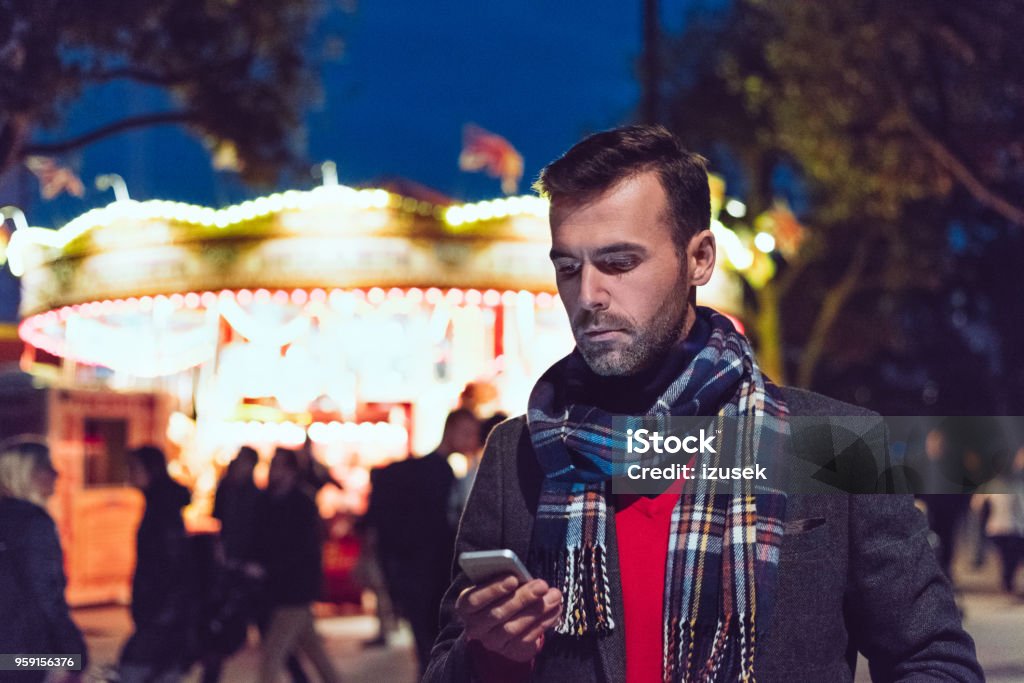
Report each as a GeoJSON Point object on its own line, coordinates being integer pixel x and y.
{"type": "Point", "coordinates": [237, 71]}
{"type": "Point", "coordinates": [882, 122]}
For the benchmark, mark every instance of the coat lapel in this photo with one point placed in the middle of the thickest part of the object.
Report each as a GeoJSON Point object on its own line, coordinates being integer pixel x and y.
{"type": "Point", "coordinates": [611, 648]}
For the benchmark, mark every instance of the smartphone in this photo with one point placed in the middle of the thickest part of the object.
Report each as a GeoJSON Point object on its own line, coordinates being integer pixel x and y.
{"type": "Point", "coordinates": [484, 565]}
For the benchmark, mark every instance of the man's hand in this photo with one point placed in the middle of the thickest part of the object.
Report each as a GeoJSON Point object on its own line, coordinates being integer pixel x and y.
{"type": "Point", "coordinates": [509, 619]}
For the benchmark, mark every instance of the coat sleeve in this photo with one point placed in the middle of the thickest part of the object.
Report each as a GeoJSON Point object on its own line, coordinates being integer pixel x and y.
{"type": "Point", "coordinates": [44, 576]}
{"type": "Point", "coordinates": [480, 529]}
{"type": "Point", "coordinates": [901, 610]}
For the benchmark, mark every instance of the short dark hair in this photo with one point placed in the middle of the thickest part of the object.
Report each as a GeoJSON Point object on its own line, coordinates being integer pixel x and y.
{"type": "Point", "coordinates": [152, 459]}
{"type": "Point", "coordinates": [598, 162]}
{"type": "Point", "coordinates": [247, 455]}
{"type": "Point", "coordinates": [287, 457]}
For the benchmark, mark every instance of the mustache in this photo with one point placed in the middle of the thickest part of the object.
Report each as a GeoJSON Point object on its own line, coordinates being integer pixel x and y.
{"type": "Point", "coordinates": [587, 320]}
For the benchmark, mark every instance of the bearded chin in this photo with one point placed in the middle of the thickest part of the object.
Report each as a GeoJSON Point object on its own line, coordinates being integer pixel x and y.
{"type": "Point", "coordinates": [647, 347]}
{"type": "Point", "coordinates": [607, 362]}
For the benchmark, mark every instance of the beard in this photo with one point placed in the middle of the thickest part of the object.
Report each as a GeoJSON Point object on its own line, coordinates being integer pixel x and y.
{"type": "Point", "coordinates": [645, 345]}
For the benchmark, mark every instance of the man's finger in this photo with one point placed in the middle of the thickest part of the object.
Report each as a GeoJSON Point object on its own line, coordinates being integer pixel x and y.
{"type": "Point", "coordinates": [535, 618]}
{"type": "Point", "coordinates": [491, 624]}
{"type": "Point", "coordinates": [541, 628]}
{"type": "Point", "coordinates": [477, 598]}
{"type": "Point", "coordinates": [525, 596]}
{"type": "Point", "coordinates": [507, 602]}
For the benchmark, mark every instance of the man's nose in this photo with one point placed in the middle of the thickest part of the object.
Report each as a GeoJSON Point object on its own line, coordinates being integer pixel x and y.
{"type": "Point", "coordinates": [593, 289]}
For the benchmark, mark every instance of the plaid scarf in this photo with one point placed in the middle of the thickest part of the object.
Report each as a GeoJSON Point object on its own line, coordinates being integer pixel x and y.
{"type": "Point", "coordinates": [723, 547]}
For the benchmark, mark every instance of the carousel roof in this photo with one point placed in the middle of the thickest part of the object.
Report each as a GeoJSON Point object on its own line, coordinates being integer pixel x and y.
{"type": "Point", "coordinates": [162, 268]}
{"type": "Point", "coordinates": [332, 237]}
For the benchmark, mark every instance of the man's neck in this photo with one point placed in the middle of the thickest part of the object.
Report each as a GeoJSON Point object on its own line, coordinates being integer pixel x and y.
{"type": "Point", "coordinates": [691, 318]}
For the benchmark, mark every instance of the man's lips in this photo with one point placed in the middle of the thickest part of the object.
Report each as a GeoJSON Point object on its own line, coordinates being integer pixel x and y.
{"type": "Point", "coordinates": [603, 333]}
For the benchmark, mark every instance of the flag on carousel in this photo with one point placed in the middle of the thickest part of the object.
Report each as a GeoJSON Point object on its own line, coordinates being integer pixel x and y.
{"type": "Point", "coordinates": [54, 178]}
{"type": "Point", "coordinates": [483, 150]}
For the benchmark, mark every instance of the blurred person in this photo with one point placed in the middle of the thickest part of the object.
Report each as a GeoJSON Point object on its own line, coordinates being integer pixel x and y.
{"type": "Point", "coordinates": [289, 550]}
{"type": "Point", "coordinates": [313, 474]}
{"type": "Point", "coordinates": [476, 396]}
{"type": "Point", "coordinates": [234, 505]}
{"type": "Point", "coordinates": [979, 524]}
{"type": "Point", "coordinates": [1004, 519]}
{"type": "Point", "coordinates": [946, 513]}
{"type": "Point", "coordinates": [35, 616]}
{"type": "Point", "coordinates": [370, 576]}
{"type": "Point", "coordinates": [464, 484]}
{"type": "Point", "coordinates": [410, 510]}
{"type": "Point", "coordinates": [677, 586]}
{"type": "Point", "coordinates": [238, 597]}
{"type": "Point", "coordinates": [944, 465]}
{"type": "Point", "coordinates": [164, 602]}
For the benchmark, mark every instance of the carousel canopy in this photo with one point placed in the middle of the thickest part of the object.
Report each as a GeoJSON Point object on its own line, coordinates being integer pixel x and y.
{"type": "Point", "coordinates": [161, 273]}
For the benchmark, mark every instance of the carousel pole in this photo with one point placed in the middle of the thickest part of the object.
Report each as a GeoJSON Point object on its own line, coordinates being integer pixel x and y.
{"type": "Point", "coordinates": [112, 181]}
{"type": "Point", "coordinates": [327, 172]}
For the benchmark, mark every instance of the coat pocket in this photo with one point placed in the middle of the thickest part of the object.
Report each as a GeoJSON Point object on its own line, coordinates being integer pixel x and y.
{"type": "Point", "coordinates": [804, 536]}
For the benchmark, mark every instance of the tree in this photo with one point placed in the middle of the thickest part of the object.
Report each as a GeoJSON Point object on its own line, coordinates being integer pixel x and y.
{"type": "Point", "coordinates": [891, 114]}
{"type": "Point", "coordinates": [885, 103]}
{"type": "Point", "coordinates": [237, 71]}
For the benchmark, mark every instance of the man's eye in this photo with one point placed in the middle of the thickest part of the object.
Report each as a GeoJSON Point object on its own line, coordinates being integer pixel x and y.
{"type": "Point", "coordinates": [566, 268]}
{"type": "Point", "coordinates": [621, 265]}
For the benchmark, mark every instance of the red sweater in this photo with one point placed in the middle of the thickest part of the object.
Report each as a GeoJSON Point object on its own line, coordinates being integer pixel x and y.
{"type": "Point", "coordinates": [642, 528]}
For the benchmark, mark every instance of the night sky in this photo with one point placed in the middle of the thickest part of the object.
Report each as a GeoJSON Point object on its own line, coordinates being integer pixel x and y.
{"type": "Point", "coordinates": [541, 74]}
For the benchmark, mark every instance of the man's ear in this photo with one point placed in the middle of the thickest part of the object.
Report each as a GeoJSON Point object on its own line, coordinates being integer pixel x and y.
{"type": "Point", "coordinates": [700, 256]}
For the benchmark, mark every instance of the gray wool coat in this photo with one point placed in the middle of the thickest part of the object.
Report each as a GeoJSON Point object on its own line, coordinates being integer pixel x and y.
{"type": "Point", "coordinates": [856, 574]}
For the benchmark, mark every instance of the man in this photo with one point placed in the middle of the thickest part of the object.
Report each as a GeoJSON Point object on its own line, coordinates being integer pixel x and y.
{"type": "Point", "coordinates": [673, 587]}
{"type": "Point", "coordinates": [409, 509]}
{"type": "Point", "coordinates": [288, 548]}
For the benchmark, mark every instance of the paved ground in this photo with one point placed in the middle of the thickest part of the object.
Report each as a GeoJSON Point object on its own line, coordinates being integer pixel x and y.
{"type": "Point", "coordinates": [106, 628]}
{"type": "Point", "coordinates": [995, 620]}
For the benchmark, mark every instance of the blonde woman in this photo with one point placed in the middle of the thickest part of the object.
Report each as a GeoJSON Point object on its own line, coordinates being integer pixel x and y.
{"type": "Point", "coordinates": [35, 619]}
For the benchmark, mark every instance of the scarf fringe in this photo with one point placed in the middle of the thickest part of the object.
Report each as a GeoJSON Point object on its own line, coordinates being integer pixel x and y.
{"type": "Point", "coordinates": [728, 658]}
{"type": "Point", "coordinates": [581, 573]}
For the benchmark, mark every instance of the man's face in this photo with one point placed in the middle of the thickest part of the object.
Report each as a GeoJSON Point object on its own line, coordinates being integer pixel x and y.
{"type": "Point", "coordinates": [619, 275]}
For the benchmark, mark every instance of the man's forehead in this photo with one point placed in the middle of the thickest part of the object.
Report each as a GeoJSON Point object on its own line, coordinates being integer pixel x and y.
{"type": "Point", "coordinates": [633, 209]}
{"type": "Point", "coordinates": [566, 204]}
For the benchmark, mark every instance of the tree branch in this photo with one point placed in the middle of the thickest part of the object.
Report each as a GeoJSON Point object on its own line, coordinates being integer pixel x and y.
{"type": "Point", "coordinates": [831, 307]}
{"type": "Point", "coordinates": [169, 78]}
{"type": "Point", "coordinates": [959, 170]}
{"type": "Point", "coordinates": [945, 156]}
{"type": "Point", "coordinates": [793, 272]}
{"type": "Point", "coordinates": [129, 123]}
{"type": "Point", "coordinates": [140, 75]}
